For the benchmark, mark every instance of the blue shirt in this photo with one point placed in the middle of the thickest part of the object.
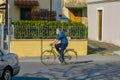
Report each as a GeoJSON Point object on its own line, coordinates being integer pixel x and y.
{"type": "Point", "coordinates": [62, 37]}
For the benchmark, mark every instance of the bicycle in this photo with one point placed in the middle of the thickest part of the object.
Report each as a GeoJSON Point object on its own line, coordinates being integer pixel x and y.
{"type": "Point", "coordinates": [48, 57]}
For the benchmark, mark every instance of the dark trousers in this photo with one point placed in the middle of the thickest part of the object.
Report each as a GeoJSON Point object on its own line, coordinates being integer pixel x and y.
{"type": "Point", "coordinates": [60, 48]}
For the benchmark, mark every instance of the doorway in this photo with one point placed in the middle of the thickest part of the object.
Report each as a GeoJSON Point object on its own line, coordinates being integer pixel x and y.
{"type": "Point", "coordinates": [100, 22]}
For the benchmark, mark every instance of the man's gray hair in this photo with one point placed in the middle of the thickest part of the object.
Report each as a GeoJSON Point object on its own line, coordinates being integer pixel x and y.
{"type": "Point", "coordinates": [60, 29]}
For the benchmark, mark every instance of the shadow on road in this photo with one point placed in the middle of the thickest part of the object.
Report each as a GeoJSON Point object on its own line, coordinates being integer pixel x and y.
{"type": "Point", "coordinates": [95, 50]}
{"type": "Point", "coordinates": [84, 62]}
{"type": "Point", "coordinates": [28, 78]}
{"type": "Point", "coordinates": [101, 47]}
{"type": "Point", "coordinates": [84, 70]}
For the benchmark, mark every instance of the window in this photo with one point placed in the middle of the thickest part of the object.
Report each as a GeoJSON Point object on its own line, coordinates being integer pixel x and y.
{"type": "Point", "coordinates": [23, 13]}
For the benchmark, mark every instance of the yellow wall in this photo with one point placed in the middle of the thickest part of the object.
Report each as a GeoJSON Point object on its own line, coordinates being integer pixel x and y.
{"type": "Point", "coordinates": [26, 48]}
{"type": "Point", "coordinates": [1, 17]}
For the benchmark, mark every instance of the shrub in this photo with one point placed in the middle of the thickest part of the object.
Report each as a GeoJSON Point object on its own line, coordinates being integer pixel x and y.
{"type": "Point", "coordinates": [47, 29]}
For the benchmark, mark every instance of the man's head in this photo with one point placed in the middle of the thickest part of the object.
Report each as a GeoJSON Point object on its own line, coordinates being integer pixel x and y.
{"type": "Point", "coordinates": [58, 31]}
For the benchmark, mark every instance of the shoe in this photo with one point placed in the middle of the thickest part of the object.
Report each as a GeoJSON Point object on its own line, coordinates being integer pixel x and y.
{"type": "Point", "coordinates": [60, 60]}
{"type": "Point", "coordinates": [64, 63]}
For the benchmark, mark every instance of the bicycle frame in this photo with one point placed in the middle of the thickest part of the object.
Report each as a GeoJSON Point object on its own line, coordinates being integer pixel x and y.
{"type": "Point", "coordinates": [54, 54]}
{"type": "Point", "coordinates": [57, 54]}
{"type": "Point", "coordinates": [53, 51]}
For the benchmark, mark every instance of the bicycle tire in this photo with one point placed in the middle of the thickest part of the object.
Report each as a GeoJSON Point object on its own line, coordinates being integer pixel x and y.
{"type": "Point", "coordinates": [70, 56]}
{"type": "Point", "coordinates": [47, 58]}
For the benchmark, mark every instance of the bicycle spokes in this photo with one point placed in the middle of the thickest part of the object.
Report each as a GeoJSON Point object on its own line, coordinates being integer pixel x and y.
{"type": "Point", "coordinates": [67, 57]}
{"type": "Point", "coordinates": [70, 56]}
{"type": "Point", "coordinates": [47, 57]}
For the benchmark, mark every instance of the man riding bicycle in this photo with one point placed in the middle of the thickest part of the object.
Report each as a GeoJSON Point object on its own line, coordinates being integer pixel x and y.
{"type": "Point", "coordinates": [60, 47]}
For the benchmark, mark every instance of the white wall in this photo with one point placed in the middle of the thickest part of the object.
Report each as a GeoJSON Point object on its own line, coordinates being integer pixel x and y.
{"type": "Point", "coordinates": [111, 22]}
{"type": "Point", "coordinates": [95, 0]}
{"type": "Point", "coordinates": [65, 11]}
{"type": "Point", "coordinates": [101, 0]}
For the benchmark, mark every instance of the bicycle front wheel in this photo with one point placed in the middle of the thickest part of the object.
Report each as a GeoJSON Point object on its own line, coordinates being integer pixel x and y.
{"type": "Point", "coordinates": [47, 57]}
{"type": "Point", "coordinates": [70, 56]}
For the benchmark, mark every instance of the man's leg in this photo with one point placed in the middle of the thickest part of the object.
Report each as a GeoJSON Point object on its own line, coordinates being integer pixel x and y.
{"type": "Point", "coordinates": [58, 46]}
{"type": "Point", "coordinates": [63, 47]}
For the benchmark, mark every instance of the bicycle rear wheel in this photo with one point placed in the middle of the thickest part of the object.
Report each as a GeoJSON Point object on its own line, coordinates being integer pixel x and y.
{"type": "Point", "coordinates": [47, 57]}
{"type": "Point", "coordinates": [70, 56]}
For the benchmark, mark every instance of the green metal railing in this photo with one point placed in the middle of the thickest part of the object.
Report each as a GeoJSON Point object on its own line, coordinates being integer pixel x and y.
{"type": "Point", "coordinates": [48, 32]}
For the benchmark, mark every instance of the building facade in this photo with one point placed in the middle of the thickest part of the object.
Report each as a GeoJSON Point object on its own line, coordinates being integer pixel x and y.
{"type": "Point", "coordinates": [75, 10]}
{"type": "Point", "coordinates": [19, 8]}
{"type": "Point", "coordinates": [104, 20]}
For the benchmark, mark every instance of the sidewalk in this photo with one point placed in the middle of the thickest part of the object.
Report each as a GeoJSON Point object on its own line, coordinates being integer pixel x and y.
{"type": "Point", "coordinates": [95, 47]}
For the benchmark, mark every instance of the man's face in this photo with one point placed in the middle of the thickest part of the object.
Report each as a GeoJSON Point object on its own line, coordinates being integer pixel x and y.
{"type": "Point", "coordinates": [57, 31]}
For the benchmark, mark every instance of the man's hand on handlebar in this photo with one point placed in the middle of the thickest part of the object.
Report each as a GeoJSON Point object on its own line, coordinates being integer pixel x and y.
{"type": "Point", "coordinates": [51, 44]}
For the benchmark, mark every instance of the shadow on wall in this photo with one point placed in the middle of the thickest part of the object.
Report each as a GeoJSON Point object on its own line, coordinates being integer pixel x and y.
{"type": "Point", "coordinates": [85, 70]}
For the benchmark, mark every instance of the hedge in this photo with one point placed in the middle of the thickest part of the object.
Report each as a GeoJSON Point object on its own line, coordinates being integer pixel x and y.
{"type": "Point", "coordinates": [47, 29]}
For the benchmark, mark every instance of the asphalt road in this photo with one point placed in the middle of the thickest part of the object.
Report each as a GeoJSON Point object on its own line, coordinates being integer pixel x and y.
{"type": "Point", "coordinates": [84, 69]}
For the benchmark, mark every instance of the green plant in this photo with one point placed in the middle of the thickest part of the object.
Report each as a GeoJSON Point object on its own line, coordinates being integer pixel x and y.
{"type": "Point", "coordinates": [47, 29]}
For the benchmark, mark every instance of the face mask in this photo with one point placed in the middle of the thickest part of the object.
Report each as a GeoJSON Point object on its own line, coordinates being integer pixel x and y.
{"type": "Point", "coordinates": [57, 33]}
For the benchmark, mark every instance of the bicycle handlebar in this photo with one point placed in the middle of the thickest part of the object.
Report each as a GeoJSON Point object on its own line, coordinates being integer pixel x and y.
{"type": "Point", "coordinates": [52, 45]}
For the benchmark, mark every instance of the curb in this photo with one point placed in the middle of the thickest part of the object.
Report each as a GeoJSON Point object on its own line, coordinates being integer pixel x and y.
{"type": "Point", "coordinates": [80, 58]}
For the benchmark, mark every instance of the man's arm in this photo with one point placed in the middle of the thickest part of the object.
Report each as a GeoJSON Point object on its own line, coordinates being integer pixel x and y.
{"type": "Point", "coordinates": [55, 41]}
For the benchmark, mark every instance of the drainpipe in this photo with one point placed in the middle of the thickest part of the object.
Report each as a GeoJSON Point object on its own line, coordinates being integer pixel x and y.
{"type": "Point", "coordinates": [50, 5]}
